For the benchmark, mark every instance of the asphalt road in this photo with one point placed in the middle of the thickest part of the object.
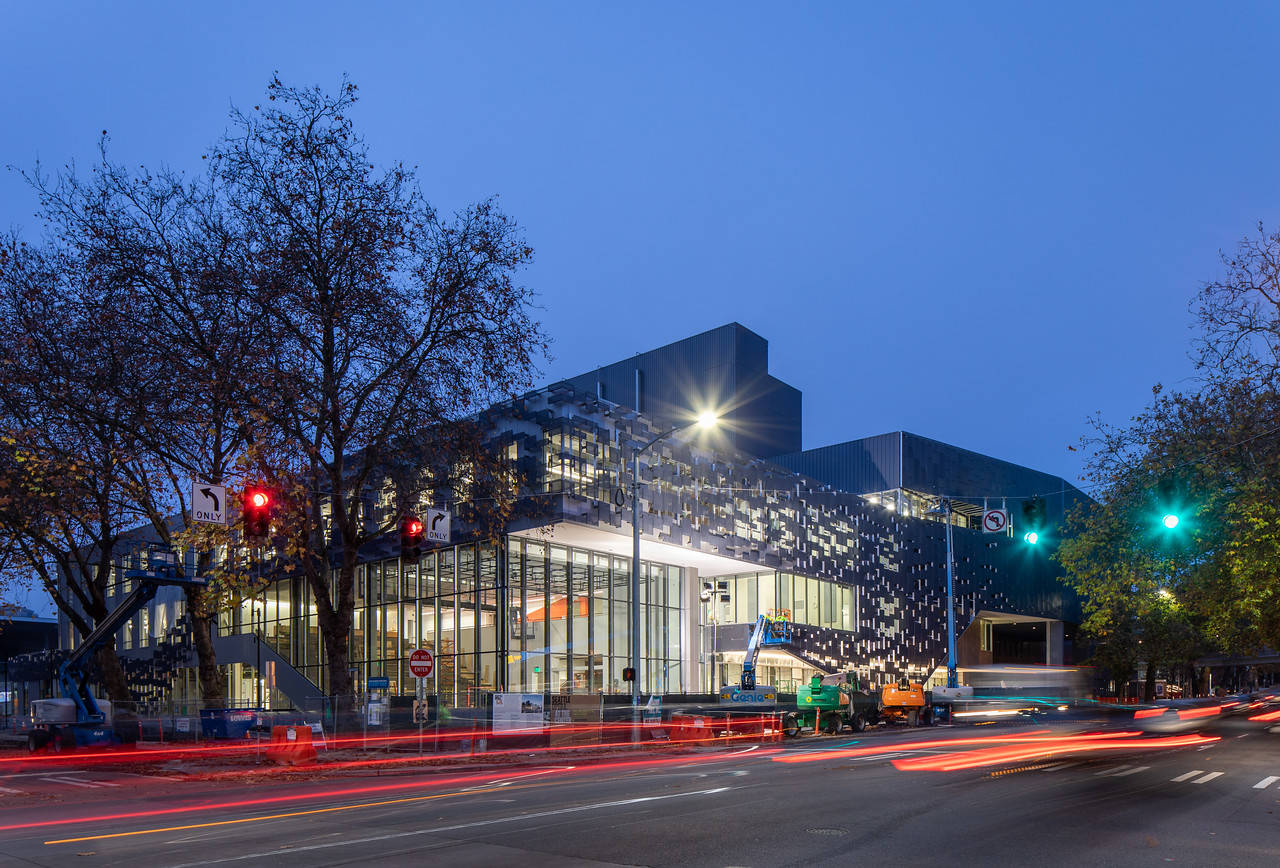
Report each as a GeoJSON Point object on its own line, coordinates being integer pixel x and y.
{"type": "Point", "coordinates": [845, 802]}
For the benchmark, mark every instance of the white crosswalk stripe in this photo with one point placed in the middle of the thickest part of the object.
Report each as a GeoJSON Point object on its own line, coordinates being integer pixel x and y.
{"type": "Point", "coordinates": [77, 782]}
{"type": "Point", "coordinates": [1208, 777]}
{"type": "Point", "coordinates": [1132, 771]}
{"type": "Point", "coordinates": [1111, 771]}
{"type": "Point", "coordinates": [1266, 782]}
{"type": "Point", "coordinates": [1187, 776]}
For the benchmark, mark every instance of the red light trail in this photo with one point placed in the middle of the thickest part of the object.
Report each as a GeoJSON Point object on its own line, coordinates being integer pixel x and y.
{"type": "Point", "coordinates": [486, 777]}
{"type": "Point", "coordinates": [1046, 748]}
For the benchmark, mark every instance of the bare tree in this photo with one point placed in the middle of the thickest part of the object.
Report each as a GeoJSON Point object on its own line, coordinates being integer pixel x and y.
{"type": "Point", "coordinates": [389, 328]}
{"type": "Point", "coordinates": [1239, 314]}
{"type": "Point", "coordinates": [65, 500]}
{"type": "Point", "coordinates": [165, 241]}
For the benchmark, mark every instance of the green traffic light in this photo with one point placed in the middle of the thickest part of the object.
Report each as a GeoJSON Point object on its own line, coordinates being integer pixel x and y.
{"type": "Point", "coordinates": [1031, 537]}
{"type": "Point", "coordinates": [1170, 521]}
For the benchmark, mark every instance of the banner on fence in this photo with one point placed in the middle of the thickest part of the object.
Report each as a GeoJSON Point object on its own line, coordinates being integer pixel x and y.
{"type": "Point", "coordinates": [575, 718]}
{"type": "Point", "coordinates": [515, 711]}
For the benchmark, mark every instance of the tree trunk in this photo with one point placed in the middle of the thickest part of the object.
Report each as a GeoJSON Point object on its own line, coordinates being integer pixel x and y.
{"type": "Point", "coordinates": [335, 628]}
{"type": "Point", "coordinates": [1149, 689]}
{"type": "Point", "coordinates": [113, 680]}
{"type": "Point", "coordinates": [213, 688]}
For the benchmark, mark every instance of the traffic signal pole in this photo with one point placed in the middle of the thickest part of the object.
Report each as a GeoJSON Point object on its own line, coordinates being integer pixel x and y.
{"type": "Point", "coordinates": [951, 605]}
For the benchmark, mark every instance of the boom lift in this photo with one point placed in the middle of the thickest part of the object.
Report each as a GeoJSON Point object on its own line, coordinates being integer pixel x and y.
{"type": "Point", "coordinates": [77, 719]}
{"type": "Point", "coordinates": [767, 632]}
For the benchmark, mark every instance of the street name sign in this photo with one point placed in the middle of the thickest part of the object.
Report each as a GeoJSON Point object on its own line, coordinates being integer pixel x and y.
{"type": "Point", "coordinates": [422, 663]}
{"type": "Point", "coordinates": [995, 520]}
{"type": "Point", "coordinates": [437, 525]}
{"type": "Point", "coordinates": [208, 502]}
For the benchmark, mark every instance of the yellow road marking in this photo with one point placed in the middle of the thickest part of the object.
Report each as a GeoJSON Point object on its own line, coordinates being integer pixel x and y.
{"type": "Point", "coordinates": [284, 816]}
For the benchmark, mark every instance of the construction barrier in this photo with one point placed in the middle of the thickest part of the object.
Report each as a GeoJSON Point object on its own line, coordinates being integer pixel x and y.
{"type": "Point", "coordinates": [691, 727]}
{"type": "Point", "coordinates": [291, 745]}
{"type": "Point", "coordinates": [754, 727]}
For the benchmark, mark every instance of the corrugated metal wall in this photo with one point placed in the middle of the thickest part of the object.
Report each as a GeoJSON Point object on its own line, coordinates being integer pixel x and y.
{"type": "Point", "coordinates": [858, 466]}
{"type": "Point", "coordinates": [934, 467]}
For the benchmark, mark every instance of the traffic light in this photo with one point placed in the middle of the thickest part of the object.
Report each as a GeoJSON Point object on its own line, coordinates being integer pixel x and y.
{"type": "Point", "coordinates": [1171, 502]}
{"type": "Point", "coordinates": [257, 512]}
{"type": "Point", "coordinates": [628, 674]}
{"type": "Point", "coordinates": [410, 536]}
{"type": "Point", "coordinates": [1033, 519]}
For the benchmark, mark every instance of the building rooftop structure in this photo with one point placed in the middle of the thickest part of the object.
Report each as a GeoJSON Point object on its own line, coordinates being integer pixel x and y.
{"type": "Point", "coordinates": [911, 472]}
{"type": "Point", "coordinates": [725, 369]}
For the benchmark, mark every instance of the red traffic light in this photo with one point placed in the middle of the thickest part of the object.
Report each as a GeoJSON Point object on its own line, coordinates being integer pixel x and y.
{"type": "Point", "coordinates": [257, 512]}
{"type": "Point", "coordinates": [411, 528]}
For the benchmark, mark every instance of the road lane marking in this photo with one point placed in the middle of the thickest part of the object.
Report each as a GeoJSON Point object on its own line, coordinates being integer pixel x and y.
{"type": "Point", "coordinates": [1132, 771]}
{"type": "Point", "coordinates": [440, 829]}
{"type": "Point", "coordinates": [1180, 778]}
{"type": "Point", "coordinates": [334, 808]}
{"type": "Point", "coordinates": [1111, 770]}
{"type": "Point", "coordinates": [7, 790]}
{"type": "Point", "coordinates": [73, 781]}
{"type": "Point", "coordinates": [1208, 777]}
{"type": "Point", "coordinates": [329, 810]}
{"type": "Point", "coordinates": [506, 782]}
{"type": "Point", "coordinates": [1266, 782]}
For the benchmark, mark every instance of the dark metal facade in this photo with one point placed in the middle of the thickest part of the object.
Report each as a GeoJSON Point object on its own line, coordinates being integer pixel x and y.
{"type": "Point", "coordinates": [724, 369]}
{"type": "Point", "coordinates": [908, 461]}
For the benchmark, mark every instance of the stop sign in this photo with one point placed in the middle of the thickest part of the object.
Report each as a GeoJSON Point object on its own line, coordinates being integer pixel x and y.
{"type": "Point", "coordinates": [421, 663]}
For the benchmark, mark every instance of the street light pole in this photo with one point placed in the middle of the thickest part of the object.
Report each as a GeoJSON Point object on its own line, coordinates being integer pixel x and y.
{"type": "Point", "coordinates": [951, 607]}
{"type": "Point", "coordinates": [943, 508]}
{"type": "Point", "coordinates": [706, 420]}
{"type": "Point", "coordinates": [257, 636]}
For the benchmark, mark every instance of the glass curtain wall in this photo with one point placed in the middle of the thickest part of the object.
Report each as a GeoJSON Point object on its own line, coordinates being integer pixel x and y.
{"type": "Point", "coordinates": [556, 618]}
{"type": "Point", "coordinates": [799, 599]}
{"type": "Point", "coordinates": [570, 621]}
{"type": "Point", "coordinates": [448, 603]}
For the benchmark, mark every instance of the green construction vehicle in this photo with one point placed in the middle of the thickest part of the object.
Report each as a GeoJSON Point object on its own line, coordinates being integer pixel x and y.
{"type": "Point", "coordinates": [830, 704]}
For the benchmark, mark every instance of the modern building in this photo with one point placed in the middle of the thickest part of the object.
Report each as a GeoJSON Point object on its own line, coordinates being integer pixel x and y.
{"type": "Point", "coordinates": [836, 540]}
{"type": "Point", "coordinates": [24, 634]}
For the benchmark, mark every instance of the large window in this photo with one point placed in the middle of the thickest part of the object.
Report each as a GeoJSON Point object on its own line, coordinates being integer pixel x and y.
{"type": "Point", "coordinates": [799, 599]}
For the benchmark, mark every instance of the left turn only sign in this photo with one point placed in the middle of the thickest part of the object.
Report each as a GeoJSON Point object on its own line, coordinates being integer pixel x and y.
{"type": "Point", "coordinates": [208, 502]}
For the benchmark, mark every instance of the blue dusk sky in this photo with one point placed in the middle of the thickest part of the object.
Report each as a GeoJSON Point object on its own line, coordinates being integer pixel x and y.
{"type": "Point", "coordinates": [979, 222]}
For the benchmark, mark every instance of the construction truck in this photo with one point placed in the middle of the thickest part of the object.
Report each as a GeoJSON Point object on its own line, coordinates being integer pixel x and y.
{"type": "Point", "coordinates": [829, 704]}
{"type": "Point", "coordinates": [77, 719]}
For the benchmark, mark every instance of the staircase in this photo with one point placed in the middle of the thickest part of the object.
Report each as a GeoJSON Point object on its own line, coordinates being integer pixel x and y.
{"type": "Point", "coordinates": [244, 648]}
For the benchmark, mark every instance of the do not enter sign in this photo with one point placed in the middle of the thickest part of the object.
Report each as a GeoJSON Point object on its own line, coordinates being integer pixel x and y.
{"type": "Point", "coordinates": [422, 663]}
